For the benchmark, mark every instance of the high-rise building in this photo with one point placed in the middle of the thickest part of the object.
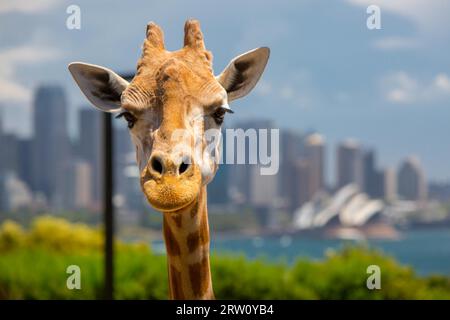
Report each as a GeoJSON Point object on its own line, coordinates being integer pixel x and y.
{"type": "Point", "coordinates": [315, 154]}
{"type": "Point", "coordinates": [290, 150]}
{"type": "Point", "coordinates": [390, 185]}
{"type": "Point", "coordinates": [263, 188]}
{"type": "Point", "coordinates": [89, 148]}
{"type": "Point", "coordinates": [349, 165]}
{"type": "Point", "coordinates": [242, 175]}
{"type": "Point", "coordinates": [301, 176]}
{"type": "Point", "coordinates": [411, 180]}
{"type": "Point", "coordinates": [25, 153]}
{"type": "Point", "coordinates": [9, 156]}
{"type": "Point", "coordinates": [80, 179]}
{"type": "Point", "coordinates": [51, 145]}
{"type": "Point", "coordinates": [373, 178]}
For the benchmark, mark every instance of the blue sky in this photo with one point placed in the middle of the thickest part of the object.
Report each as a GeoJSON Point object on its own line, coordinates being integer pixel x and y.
{"type": "Point", "coordinates": [388, 88]}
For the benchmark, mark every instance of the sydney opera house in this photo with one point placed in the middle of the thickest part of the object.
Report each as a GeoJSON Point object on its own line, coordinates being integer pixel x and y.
{"type": "Point", "coordinates": [349, 213]}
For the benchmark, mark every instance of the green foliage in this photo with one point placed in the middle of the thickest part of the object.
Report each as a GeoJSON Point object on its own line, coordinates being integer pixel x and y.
{"type": "Point", "coordinates": [33, 265]}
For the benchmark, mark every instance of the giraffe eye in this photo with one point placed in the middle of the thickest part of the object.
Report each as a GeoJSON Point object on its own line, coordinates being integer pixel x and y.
{"type": "Point", "coordinates": [131, 120]}
{"type": "Point", "coordinates": [219, 115]}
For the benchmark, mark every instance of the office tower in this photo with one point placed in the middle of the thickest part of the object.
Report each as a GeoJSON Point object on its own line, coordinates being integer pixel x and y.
{"type": "Point", "coordinates": [25, 152]}
{"type": "Point", "coordinates": [349, 164]}
{"type": "Point", "coordinates": [51, 147]}
{"type": "Point", "coordinates": [247, 146]}
{"type": "Point", "coordinates": [9, 156]}
{"type": "Point", "coordinates": [263, 188]}
{"type": "Point", "coordinates": [411, 180]}
{"type": "Point", "coordinates": [80, 179]}
{"type": "Point", "coordinates": [301, 175]}
{"type": "Point", "coordinates": [90, 148]}
{"type": "Point", "coordinates": [390, 185]}
{"type": "Point", "coordinates": [373, 178]}
{"type": "Point", "coordinates": [290, 150]}
{"type": "Point", "coordinates": [315, 155]}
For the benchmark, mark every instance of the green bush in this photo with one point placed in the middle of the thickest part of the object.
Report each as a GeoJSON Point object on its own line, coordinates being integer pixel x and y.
{"type": "Point", "coordinates": [33, 265]}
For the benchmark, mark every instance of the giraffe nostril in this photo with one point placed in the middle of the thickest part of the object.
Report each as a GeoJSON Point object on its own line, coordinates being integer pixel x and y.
{"type": "Point", "coordinates": [183, 167]}
{"type": "Point", "coordinates": [157, 165]}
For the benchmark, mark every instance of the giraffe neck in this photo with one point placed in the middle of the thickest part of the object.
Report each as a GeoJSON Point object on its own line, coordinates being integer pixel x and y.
{"type": "Point", "coordinates": [186, 234]}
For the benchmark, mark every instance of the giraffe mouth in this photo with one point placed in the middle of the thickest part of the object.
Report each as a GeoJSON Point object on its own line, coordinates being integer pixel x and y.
{"type": "Point", "coordinates": [170, 194]}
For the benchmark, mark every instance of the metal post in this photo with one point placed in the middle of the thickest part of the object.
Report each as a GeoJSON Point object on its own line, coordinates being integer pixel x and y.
{"type": "Point", "coordinates": [108, 208]}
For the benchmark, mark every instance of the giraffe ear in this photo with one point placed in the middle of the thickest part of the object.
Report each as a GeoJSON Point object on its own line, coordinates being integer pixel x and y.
{"type": "Point", "coordinates": [101, 86]}
{"type": "Point", "coordinates": [243, 72]}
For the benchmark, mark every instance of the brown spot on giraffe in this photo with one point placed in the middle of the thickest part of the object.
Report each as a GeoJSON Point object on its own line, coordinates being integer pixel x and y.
{"type": "Point", "coordinates": [172, 246]}
{"type": "Point", "coordinates": [176, 284]}
{"type": "Point", "coordinates": [199, 237]}
{"type": "Point", "coordinates": [197, 272]}
{"type": "Point", "coordinates": [178, 219]}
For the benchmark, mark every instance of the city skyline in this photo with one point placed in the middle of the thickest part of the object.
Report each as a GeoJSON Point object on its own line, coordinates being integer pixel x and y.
{"type": "Point", "coordinates": [330, 166]}
{"type": "Point", "coordinates": [67, 172]}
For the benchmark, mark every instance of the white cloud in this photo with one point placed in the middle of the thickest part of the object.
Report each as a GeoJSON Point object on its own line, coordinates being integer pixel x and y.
{"type": "Point", "coordinates": [442, 82]}
{"type": "Point", "coordinates": [10, 88]}
{"type": "Point", "coordinates": [402, 88]}
{"type": "Point", "coordinates": [26, 6]}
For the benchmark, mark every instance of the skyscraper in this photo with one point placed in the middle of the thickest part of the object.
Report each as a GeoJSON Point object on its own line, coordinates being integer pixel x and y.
{"type": "Point", "coordinates": [373, 178]}
{"type": "Point", "coordinates": [89, 146]}
{"type": "Point", "coordinates": [349, 164]}
{"type": "Point", "coordinates": [80, 176]}
{"type": "Point", "coordinates": [315, 155]}
{"type": "Point", "coordinates": [51, 145]}
{"type": "Point", "coordinates": [290, 150]}
{"type": "Point", "coordinates": [301, 175]}
{"type": "Point", "coordinates": [242, 177]}
{"type": "Point", "coordinates": [25, 153]}
{"type": "Point", "coordinates": [390, 185]}
{"type": "Point", "coordinates": [411, 180]}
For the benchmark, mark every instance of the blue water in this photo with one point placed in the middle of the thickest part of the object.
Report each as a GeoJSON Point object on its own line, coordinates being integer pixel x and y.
{"type": "Point", "coordinates": [427, 251]}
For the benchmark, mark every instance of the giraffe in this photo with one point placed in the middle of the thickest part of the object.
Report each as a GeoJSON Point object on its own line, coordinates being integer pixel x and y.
{"type": "Point", "coordinates": [171, 103]}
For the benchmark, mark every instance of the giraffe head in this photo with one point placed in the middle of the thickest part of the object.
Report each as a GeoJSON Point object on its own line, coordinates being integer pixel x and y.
{"type": "Point", "coordinates": [174, 107]}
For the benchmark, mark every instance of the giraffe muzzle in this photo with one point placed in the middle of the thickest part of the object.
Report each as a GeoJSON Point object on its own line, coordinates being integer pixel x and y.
{"type": "Point", "coordinates": [170, 185]}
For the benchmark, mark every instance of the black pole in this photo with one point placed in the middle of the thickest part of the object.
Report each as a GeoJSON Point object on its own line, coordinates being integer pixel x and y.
{"type": "Point", "coordinates": [108, 209]}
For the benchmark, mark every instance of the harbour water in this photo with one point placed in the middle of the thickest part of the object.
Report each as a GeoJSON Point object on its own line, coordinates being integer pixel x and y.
{"type": "Point", "coordinates": [427, 251]}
